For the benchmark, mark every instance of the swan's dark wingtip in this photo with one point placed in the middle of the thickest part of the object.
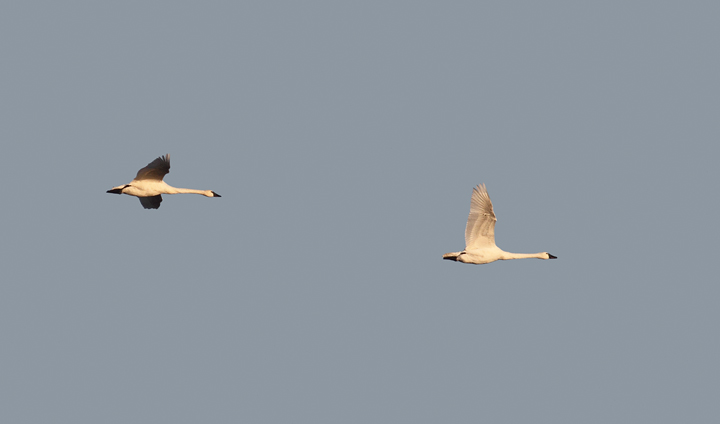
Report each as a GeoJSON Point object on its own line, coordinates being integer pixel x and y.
{"type": "Point", "coordinates": [215, 194]}
{"type": "Point", "coordinates": [551, 256]}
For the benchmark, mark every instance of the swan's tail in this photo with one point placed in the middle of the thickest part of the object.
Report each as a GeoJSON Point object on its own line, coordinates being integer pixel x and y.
{"type": "Point", "coordinates": [451, 256]}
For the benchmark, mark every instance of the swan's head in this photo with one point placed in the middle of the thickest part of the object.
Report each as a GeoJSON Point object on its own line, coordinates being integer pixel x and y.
{"type": "Point", "coordinates": [118, 189]}
{"type": "Point", "coordinates": [549, 256]}
{"type": "Point", "coordinates": [211, 193]}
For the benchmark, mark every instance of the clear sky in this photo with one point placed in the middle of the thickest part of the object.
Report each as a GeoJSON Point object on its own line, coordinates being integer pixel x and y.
{"type": "Point", "coordinates": [345, 139]}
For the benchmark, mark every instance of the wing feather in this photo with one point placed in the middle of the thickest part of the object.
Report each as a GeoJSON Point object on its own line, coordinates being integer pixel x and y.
{"type": "Point", "coordinates": [480, 228]}
{"type": "Point", "coordinates": [152, 202]}
{"type": "Point", "coordinates": [155, 170]}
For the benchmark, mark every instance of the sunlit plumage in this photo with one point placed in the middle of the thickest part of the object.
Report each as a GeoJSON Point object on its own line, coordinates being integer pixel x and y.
{"type": "Point", "coordinates": [148, 184]}
{"type": "Point", "coordinates": [480, 245]}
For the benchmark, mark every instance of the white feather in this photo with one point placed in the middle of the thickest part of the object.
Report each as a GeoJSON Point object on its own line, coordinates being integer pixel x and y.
{"type": "Point", "coordinates": [148, 184]}
{"type": "Point", "coordinates": [480, 247]}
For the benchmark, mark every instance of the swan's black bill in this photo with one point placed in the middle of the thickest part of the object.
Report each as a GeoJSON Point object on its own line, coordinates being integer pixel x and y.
{"type": "Point", "coordinates": [115, 191]}
{"type": "Point", "coordinates": [552, 257]}
{"type": "Point", "coordinates": [215, 194]}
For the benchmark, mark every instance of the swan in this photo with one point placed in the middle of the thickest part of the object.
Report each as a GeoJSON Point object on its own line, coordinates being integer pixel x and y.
{"type": "Point", "coordinates": [480, 245]}
{"type": "Point", "coordinates": [148, 184]}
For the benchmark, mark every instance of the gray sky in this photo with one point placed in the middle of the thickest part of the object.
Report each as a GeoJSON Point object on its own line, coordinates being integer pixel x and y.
{"type": "Point", "coordinates": [345, 139]}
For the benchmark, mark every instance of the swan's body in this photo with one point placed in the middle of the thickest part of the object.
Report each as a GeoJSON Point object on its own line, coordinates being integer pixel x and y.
{"type": "Point", "coordinates": [148, 184]}
{"type": "Point", "coordinates": [480, 245]}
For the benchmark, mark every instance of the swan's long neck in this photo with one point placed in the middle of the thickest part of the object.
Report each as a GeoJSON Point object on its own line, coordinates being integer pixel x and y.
{"type": "Point", "coordinates": [509, 255]}
{"type": "Point", "coordinates": [188, 190]}
{"type": "Point", "coordinates": [176, 190]}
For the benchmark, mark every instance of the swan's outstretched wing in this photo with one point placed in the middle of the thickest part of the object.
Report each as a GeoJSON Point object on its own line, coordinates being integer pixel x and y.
{"type": "Point", "coordinates": [152, 202]}
{"type": "Point", "coordinates": [480, 229]}
{"type": "Point", "coordinates": [156, 169]}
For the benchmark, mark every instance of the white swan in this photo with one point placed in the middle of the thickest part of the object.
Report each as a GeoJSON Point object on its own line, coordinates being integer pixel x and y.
{"type": "Point", "coordinates": [480, 245]}
{"type": "Point", "coordinates": [148, 184]}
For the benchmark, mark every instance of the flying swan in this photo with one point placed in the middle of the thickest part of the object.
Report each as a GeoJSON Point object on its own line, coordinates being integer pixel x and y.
{"type": "Point", "coordinates": [148, 184]}
{"type": "Point", "coordinates": [480, 245]}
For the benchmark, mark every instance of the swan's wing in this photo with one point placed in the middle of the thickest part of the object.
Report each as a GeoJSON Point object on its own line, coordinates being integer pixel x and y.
{"type": "Point", "coordinates": [152, 202]}
{"type": "Point", "coordinates": [480, 229]}
{"type": "Point", "coordinates": [155, 170]}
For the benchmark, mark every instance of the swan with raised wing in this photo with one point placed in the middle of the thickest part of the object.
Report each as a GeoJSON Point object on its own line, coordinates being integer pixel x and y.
{"type": "Point", "coordinates": [149, 186]}
{"type": "Point", "coordinates": [480, 245]}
